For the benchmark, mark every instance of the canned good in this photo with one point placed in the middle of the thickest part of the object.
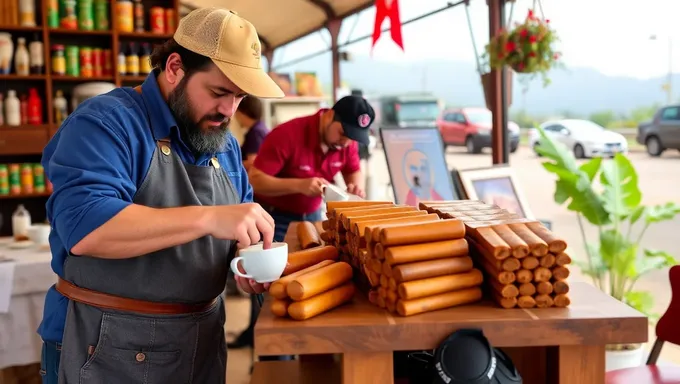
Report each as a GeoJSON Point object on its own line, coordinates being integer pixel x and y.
{"type": "Point", "coordinates": [98, 62]}
{"type": "Point", "coordinates": [53, 13]}
{"type": "Point", "coordinates": [68, 13]}
{"type": "Point", "coordinates": [108, 62]}
{"type": "Point", "coordinates": [126, 17]}
{"type": "Point", "coordinates": [170, 21]}
{"type": "Point", "coordinates": [101, 15]}
{"type": "Point", "coordinates": [86, 62]}
{"type": "Point", "coordinates": [139, 16]}
{"type": "Point", "coordinates": [27, 178]}
{"type": "Point", "coordinates": [14, 179]}
{"type": "Point", "coordinates": [4, 180]}
{"type": "Point", "coordinates": [72, 60]}
{"type": "Point", "coordinates": [39, 178]}
{"type": "Point", "coordinates": [157, 18]}
{"type": "Point", "coordinates": [58, 60]}
{"type": "Point", "coordinates": [85, 15]}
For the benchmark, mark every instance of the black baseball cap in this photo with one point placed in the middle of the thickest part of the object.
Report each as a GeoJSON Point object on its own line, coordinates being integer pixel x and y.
{"type": "Point", "coordinates": [356, 116]}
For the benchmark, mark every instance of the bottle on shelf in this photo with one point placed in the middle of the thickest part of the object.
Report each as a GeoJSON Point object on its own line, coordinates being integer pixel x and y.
{"type": "Point", "coordinates": [36, 56]}
{"type": "Point", "coordinates": [6, 52]}
{"type": "Point", "coordinates": [132, 61]}
{"type": "Point", "coordinates": [21, 58]}
{"type": "Point", "coordinates": [122, 62]}
{"type": "Point", "coordinates": [60, 107]}
{"type": "Point", "coordinates": [139, 15]}
{"type": "Point", "coordinates": [58, 60]}
{"type": "Point", "coordinates": [2, 110]}
{"type": "Point", "coordinates": [23, 109]}
{"type": "Point", "coordinates": [35, 107]}
{"type": "Point", "coordinates": [12, 109]}
{"type": "Point", "coordinates": [145, 60]}
{"type": "Point", "coordinates": [27, 13]}
{"type": "Point", "coordinates": [21, 222]}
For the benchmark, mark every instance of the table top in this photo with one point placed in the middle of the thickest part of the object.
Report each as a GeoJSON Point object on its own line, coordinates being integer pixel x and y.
{"type": "Point", "coordinates": [592, 318]}
{"type": "Point", "coordinates": [32, 270]}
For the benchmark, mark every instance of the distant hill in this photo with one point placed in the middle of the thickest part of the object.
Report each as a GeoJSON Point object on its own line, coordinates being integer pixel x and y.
{"type": "Point", "coordinates": [578, 90]}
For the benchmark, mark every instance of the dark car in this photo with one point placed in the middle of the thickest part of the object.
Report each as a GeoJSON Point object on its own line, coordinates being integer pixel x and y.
{"type": "Point", "coordinates": [663, 132]}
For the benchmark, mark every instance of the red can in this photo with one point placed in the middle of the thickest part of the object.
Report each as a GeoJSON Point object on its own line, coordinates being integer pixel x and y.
{"type": "Point", "coordinates": [157, 18]}
{"type": "Point", "coordinates": [170, 21]}
{"type": "Point", "coordinates": [108, 62]}
{"type": "Point", "coordinates": [98, 62]}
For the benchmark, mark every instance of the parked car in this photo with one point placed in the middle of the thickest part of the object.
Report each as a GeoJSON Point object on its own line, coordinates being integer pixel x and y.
{"type": "Point", "coordinates": [585, 138]}
{"type": "Point", "coordinates": [471, 127]}
{"type": "Point", "coordinates": [663, 132]}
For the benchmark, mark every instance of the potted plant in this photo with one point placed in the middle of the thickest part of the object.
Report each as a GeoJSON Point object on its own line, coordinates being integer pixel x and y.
{"type": "Point", "coordinates": [528, 48]}
{"type": "Point", "coordinates": [615, 260]}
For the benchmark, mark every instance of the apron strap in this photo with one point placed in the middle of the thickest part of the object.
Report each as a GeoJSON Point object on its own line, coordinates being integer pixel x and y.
{"type": "Point", "coordinates": [159, 142]}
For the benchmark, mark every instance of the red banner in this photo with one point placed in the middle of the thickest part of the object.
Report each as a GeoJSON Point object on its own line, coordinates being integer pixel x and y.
{"type": "Point", "coordinates": [387, 9]}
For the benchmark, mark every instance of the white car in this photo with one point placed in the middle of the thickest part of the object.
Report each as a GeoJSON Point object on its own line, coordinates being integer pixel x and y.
{"type": "Point", "coordinates": [583, 137]}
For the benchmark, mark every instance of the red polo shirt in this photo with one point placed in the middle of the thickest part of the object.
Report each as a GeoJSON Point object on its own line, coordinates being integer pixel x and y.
{"type": "Point", "coordinates": [293, 150]}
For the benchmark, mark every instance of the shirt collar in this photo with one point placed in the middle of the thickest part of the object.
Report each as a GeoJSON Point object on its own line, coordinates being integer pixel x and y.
{"type": "Point", "coordinates": [314, 136]}
{"type": "Point", "coordinates": [161, 118]}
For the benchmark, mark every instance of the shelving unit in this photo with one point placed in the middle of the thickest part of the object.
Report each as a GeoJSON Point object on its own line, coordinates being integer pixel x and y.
{"type": "Point", "coordinates": [25, 143]}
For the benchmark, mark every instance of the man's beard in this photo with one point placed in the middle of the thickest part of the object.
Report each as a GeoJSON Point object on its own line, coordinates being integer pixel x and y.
{"type": "Point", "coordinates": [198, 140]}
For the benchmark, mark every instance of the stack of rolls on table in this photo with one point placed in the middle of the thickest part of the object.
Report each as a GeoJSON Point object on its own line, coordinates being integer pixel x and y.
{"type": "Point", "coordinates": [314, 281]}
{"type": "Point", "coordinates": [414, 262]}
{"type": "Point", "coordinates": [524, 262]}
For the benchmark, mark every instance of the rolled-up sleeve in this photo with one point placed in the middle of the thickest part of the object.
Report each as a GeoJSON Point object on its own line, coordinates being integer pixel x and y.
{"type": "Point", "coordinates": [90, 168]}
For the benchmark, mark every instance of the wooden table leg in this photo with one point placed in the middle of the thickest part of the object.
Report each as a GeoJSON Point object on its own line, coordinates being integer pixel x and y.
{"type": "Point", "coordinates": [583, 364]}
{"type": "Point", "coordinates": [367, 368]}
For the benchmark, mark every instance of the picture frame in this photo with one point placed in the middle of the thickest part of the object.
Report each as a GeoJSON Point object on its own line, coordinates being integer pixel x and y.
{"type": "Point", "coordinates": [417, 165]}
{"type": "Point", "coordinates": [496, 185]}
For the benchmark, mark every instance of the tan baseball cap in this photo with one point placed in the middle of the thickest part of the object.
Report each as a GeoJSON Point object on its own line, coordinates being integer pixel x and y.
{"type": "Point", "coordinates": [233, 45]}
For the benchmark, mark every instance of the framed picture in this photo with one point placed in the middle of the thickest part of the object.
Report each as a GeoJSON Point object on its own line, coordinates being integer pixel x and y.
{"type": "Point", "coordinates": [496, 185]}
{"type": "Point", "coordinates": [417, 166]}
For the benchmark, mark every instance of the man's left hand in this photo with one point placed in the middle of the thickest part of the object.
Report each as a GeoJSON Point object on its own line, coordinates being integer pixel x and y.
{"type": "Point", "coordinates": [251, 286]}
{"type": "Point", "coordinates": [356, 190]}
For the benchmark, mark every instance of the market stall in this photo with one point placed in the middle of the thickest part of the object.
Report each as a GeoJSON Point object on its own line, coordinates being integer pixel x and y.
{"type": "Point", "coordinates": [562, 341]}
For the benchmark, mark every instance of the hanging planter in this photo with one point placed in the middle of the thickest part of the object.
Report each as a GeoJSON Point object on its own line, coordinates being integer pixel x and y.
{"type": "Point", "coordinates": [528, 48]}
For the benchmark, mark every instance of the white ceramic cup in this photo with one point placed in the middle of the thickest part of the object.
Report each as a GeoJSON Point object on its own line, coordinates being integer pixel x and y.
{"type": "Point", "coordinates": [261, 265]}
{"type": "Point", "coordinates": [39, 234]}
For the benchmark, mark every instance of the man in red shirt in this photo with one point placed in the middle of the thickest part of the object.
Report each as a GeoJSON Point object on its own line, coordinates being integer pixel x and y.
{"type": "Point", "coordinates": [298, 158]}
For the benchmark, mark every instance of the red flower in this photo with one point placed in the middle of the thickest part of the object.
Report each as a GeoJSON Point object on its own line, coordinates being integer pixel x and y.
{"type": "Point", "coordinates": [510, 46]}
{"type": "Point", "coordinates": [523, 33]}
{"type": "Point", "coordinates": [530, 15]}
{"type": "Point", "coordinates": [520, 66]}
{"type": "Point", "coordinates": [532, 54]}
{"type": "Point", "coordinates": [532, 38]}
{"type": "Point", "coordinates": [547, 21]}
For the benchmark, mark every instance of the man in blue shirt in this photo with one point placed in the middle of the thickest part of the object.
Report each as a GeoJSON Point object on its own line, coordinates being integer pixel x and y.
{"type": "Point", "coordinates": [150, 199]}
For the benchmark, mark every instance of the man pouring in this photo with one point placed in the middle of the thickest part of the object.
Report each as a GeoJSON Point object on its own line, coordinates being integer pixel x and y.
{"type": "Point", "coordinates": [150, 198]}
{"type": "Point", "coordinates": [298, 158]}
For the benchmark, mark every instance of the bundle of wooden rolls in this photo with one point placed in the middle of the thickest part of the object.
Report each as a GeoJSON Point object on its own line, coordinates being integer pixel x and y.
{"type": "Point", "coordinates": [313, 283]}
{"type": "Point", "coordinates": [524, 262]}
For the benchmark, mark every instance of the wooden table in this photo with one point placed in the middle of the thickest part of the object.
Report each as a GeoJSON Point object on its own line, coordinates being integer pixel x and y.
{"type": "Point", "coordinates": [554, 345]}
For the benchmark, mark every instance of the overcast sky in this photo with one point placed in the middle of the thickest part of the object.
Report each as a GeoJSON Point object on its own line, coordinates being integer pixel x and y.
{"type": "Point", "coordinates": [612, 36]}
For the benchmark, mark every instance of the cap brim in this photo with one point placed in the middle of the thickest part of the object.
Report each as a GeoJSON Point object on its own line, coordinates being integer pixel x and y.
{"type": "Point", "coordinates": [253, 81]}
{"type": "Point", "coordinates": [355, 133]}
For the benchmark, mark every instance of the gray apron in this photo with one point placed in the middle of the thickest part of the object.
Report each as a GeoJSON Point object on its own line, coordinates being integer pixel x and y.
{"type": "Point", "coordinates": [110, 347]}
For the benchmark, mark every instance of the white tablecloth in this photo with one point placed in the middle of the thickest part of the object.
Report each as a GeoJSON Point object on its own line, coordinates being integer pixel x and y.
{"type": "Point", "coordinates": [33, 276]}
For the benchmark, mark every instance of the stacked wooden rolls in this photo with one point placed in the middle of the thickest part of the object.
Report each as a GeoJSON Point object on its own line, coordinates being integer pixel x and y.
{"type": "Point", "coordinates": [420, 267]}
{"type": "Point", "coordinates": [308, 290]}
{"type": "Point", "coordinates": [524, 261]}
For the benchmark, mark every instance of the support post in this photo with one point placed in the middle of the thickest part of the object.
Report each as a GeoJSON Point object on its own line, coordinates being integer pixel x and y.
{"type": "Point", "coordinates": [333, 26]}
{"type": "Point", "coordinates": [500, 145]}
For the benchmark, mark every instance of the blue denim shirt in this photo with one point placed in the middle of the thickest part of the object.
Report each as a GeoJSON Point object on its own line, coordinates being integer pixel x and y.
{"type": "Point", "coordinates": [97, 160]}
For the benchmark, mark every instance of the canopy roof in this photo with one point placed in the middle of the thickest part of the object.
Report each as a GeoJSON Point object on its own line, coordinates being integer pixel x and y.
{"type": "Point", "coordinates": [280, 22]}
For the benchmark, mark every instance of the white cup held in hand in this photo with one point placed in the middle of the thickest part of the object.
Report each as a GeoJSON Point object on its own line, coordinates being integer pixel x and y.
{"type": "Point", "coordinates": [261, 265]}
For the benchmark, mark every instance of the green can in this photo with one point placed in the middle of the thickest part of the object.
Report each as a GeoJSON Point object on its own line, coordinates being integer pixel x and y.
{"type": "Point", "coordinates": [101, 15]}
{"type": "Point", "coordinates": [14, 179]}
{"type": "Point", "coordinates": [4, 180]}
{"type": "Point", "coordinates": [72, 60]}
{"type": "Point", "coordinates": [85, 15]}
{"type": "Point", "coordinates": [38, 178]}
{"type": "Point", "coordinates": [53, 13]}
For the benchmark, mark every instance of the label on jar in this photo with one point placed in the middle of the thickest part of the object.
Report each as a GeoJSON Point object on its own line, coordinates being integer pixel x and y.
{"type": "Point", "coordinates": [132, 65]}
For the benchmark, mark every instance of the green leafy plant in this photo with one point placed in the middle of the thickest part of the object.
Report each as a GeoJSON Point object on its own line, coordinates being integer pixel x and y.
{"type": "Point", "coordinates": [616, 261]}
{"type": "Point", "coordinates": [528, 48]}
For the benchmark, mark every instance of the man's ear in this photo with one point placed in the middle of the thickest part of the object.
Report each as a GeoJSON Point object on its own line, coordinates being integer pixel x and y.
{"type": "Point", "coordinates": [328, 116]}
{"type": "Point", "coordinates": [174, 71]}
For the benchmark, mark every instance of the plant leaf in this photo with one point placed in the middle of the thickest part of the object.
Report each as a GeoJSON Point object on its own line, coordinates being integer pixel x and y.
{"type": "Point", "coordinates": [662, 212]}
{"type": "Point", "coordinates": [591, 167]}
{"type": "Point", "coordinates": [643, 301]}
{"type": "Point", "coordinates": [621, 194]}
{"type": "Point", "coordinates": [618, 254]}
{"type": "Point", "coordinates": [637, 214]}
{"type": "Point", "coordinates": [662, 254]}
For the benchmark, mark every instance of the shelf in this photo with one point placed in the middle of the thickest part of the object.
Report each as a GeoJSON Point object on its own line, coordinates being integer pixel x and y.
{"type": "Point", "coordinates": [62, 31]}
{"type": "Point", "coordinates": [23, 127]}
{"type": "Point", "coordinates": [129, 79]}
{"type": "Point", "coordinates": [13, 77]}
{"type": "Point", "coordinates": [26, 195]}
{"type": "Point", "coordinates": [144, 35]}
{"type": "Point", "coordinates": [81, 79]}
{"type": "Point", "coordinates": [18, 28]}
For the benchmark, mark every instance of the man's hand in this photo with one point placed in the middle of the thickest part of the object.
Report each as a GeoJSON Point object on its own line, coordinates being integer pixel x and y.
{"type": "Point", "coordinates": [355, 190]}
{"type": "Point", "coordinates": [243, 223]}
{"type": "Point", "coordinates": [250, 286]}
{"type": "Point", "coordinates": [312, 187]}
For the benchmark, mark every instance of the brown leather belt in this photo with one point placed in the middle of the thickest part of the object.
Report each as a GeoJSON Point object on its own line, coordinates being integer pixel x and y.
{"type": "Point", "coordinates": [106, 301]}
